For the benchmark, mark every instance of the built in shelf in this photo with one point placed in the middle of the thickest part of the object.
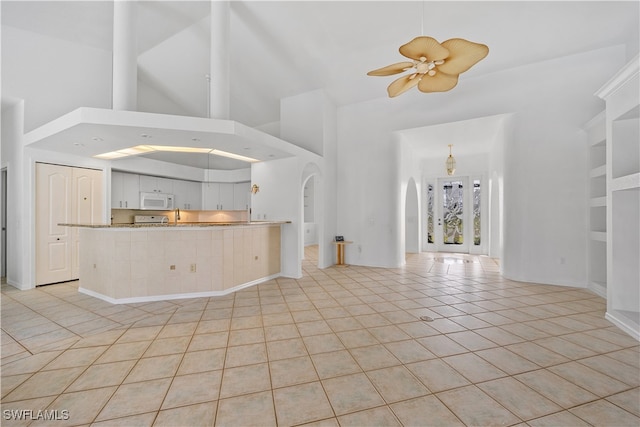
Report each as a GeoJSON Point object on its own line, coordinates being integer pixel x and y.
{"type": "Point", "coordinates": [628, 182]}
{"type": "Point", "coordinates": [599, 236]}
{"type": "Point", "coordinates": [597, 202]}
{"type": "Point", "coordinates": [598, 171]}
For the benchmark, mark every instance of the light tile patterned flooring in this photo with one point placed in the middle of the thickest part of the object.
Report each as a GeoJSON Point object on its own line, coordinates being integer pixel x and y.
{"type": "Point", "coordinates": [340, 346]}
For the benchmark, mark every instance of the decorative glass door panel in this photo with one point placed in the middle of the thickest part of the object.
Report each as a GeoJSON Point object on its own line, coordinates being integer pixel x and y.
{"type": "Point", "coordinates": [430, 214]}
{"type": "Point", "coordinates": [452, 213]}
{"type": "Point", "coordinates": [453, 205]}
{"type": "Point", "coordinates": [477, 231]}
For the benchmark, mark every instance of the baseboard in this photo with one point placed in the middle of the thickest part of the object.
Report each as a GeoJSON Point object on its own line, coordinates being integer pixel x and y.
{"type": "Point", "coordinates": [623, 326]}
{"type": "Point", "coordinates": [152, 298]}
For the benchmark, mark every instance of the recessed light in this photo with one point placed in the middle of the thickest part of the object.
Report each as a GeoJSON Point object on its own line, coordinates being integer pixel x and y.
{"type": "Point", "coordinates": [271, 155]}
{"type": "Point", "coordinates": [195, 139]}
{"type": "Point", "coordinates": [145, 135]}
{"type": "Point", "coordinates": [247, 148]}
{"type": "Point", "coordinates": [78, 144]}
{"type": "Point", "coordinates": [97, 139]}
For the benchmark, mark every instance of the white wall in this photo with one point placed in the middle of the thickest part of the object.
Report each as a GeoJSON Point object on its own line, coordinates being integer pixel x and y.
{"type": "Point", "coordinates": [280, 199]}
{"type": "Point", "coordinates": [20, 163]}
{"type": "Point", "coordinates": [309, 120]}
{"type": "Point", "coordinates": [69, 75]}
{"type": "Point", "coordinates": [545, 163]}
{"type": "Point", "coordinates": [12, 157]}
{"type": "Point", "coordinates": [302, 120]}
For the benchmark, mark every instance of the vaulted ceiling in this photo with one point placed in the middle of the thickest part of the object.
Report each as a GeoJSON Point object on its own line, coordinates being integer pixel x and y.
{"type": "Point", "coordinates": [284, 48]}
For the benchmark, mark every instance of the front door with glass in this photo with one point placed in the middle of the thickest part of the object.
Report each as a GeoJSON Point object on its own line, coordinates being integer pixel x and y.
{"type": "Point", "coordinates": [453, 215]}
{"type": "Point", "coordinates": [451, 235]}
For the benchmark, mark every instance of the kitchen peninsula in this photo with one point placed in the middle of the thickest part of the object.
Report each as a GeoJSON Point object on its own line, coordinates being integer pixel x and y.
{"type": "Point", "coordinates": [128, 263]}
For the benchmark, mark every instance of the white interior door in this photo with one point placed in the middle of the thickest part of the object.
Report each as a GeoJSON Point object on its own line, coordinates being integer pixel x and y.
{"type": "Point", "coordinates": [453, 215]}
{"type": "Point", "coordinates": [53, 206]}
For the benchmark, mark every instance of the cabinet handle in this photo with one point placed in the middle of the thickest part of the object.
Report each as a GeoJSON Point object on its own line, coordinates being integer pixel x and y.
{"type": "Point", "coordinates": [126, 204]}
{"type": "Point", "coordinates": [120, 203]}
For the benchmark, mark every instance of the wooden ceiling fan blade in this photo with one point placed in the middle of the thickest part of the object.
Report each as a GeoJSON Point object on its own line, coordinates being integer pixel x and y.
{"type": "Point", "coordinates": [464, 55]}
{"type": "Point", "coordinates": [424, 47]}
{"type": "Point", "coordinates": [391, 69]}
{"type": "Point", "coordinates": [403, 84]}
{"type": "Point", "coordinates": [440, 82]}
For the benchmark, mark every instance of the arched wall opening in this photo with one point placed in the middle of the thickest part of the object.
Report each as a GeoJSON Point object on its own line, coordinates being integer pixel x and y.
{"type": "Point", "coordinates": [311, 212]}
{"type": "Point", "coordinates": [478, 146]}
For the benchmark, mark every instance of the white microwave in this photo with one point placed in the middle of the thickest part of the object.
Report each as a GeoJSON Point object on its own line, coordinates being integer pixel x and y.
{"type": "Point", "coordinates": [156, 201]}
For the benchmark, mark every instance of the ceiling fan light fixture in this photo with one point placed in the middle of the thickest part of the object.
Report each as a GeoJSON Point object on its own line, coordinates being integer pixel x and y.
{"type": "Point", "coordinates": [435, 67]}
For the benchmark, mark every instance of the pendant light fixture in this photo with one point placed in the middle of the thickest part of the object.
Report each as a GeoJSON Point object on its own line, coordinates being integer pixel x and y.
{"type": "Point", "coordinates": [451, 163]}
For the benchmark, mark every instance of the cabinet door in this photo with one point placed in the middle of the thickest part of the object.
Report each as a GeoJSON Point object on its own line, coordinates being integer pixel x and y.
{"type": "Point", "coordinates": [180, 198]}
{"type": "Point", "coordinates": [125, 190]}
{"type": "Point", "coordinates": [131, 191]}
{"type": "Point", "coordinates": [226, 196]}
{"type": "Point", "coordinates": [148, 184]}
{"type": "Point", "coordinates": [156, 184]}
{"type": "Point", "coordinates": [165, 185]}
{"type": "Point", "coordinates": [194, 195]}
{"type": "Point", "coordinates": [241, 195]}
{"type": "Point", "coordinates": [188, 194]}
{"type": "Point", "coordinates": [117, 197]}
{"type": "Point", "coordinates": [211, 196]}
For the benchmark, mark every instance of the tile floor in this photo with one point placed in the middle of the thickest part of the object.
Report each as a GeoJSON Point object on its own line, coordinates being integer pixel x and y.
{"type": "Point", "coordinates": [340, 346]}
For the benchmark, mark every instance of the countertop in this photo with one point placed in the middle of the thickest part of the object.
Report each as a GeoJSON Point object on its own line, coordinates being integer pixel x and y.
{"type": "Point", "coordinates": [180, 224]}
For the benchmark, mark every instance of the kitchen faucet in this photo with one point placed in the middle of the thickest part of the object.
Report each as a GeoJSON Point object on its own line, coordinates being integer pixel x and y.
{"type": "Point", "coordinates": [176, 217]}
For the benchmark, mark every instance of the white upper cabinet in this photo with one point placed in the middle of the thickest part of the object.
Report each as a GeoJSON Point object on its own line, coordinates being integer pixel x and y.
{"type": "Point", "coordinates": [218, 196]}
{"type": "Point", "coordinates": [241, 195]}
{"type": "Point", "coordinates": [125, 190]}
{"type": "Point", "coordinates": [211, 196]}
{"type": "Point", "coordinates": [188, 194]}
{"type": "Point", "coordinates": [155, 184]}
{"type": "Point", "coordinates": [226, 196]}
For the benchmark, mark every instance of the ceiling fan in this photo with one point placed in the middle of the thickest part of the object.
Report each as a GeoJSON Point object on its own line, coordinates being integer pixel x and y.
{"type": "Point", "coordinates": [434, 67]}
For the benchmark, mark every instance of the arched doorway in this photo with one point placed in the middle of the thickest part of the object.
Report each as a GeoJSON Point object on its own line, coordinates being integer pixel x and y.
{"type": "Point", "coordinates": [311, 242]}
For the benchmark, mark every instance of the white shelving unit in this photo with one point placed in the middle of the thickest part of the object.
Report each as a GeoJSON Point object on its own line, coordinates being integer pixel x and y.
{"type": "Point", "coordinates": [597, 246]}
{"type": "Point", "coordinates": [622, 96]}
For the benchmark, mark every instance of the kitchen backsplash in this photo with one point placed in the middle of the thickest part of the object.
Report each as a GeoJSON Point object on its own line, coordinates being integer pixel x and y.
{"type": "Point", "coordinates": [125, 216]}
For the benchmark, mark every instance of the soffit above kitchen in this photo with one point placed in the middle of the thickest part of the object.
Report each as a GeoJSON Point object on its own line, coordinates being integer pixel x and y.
{"type": "Point", "coordinates": [89, 132]}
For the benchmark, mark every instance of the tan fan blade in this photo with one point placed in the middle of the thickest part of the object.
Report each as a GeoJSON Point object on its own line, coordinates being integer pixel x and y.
{"type": "Point", "coordinates": [441, 82]}
{"type": "Point", "coordinates": [402, 85]}
{"type": "Point", "coordinates": [426, 47]}
{"type": "Point", "coordinates": [391, 69]}
{"type": "Point", "coordinates": [464, 55]}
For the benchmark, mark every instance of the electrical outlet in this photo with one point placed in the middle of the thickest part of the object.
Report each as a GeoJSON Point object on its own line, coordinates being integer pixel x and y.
{"type": "Point", "coordinates": [172, 267]}
{"type": "Point", "coordinates": [193, 268]}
